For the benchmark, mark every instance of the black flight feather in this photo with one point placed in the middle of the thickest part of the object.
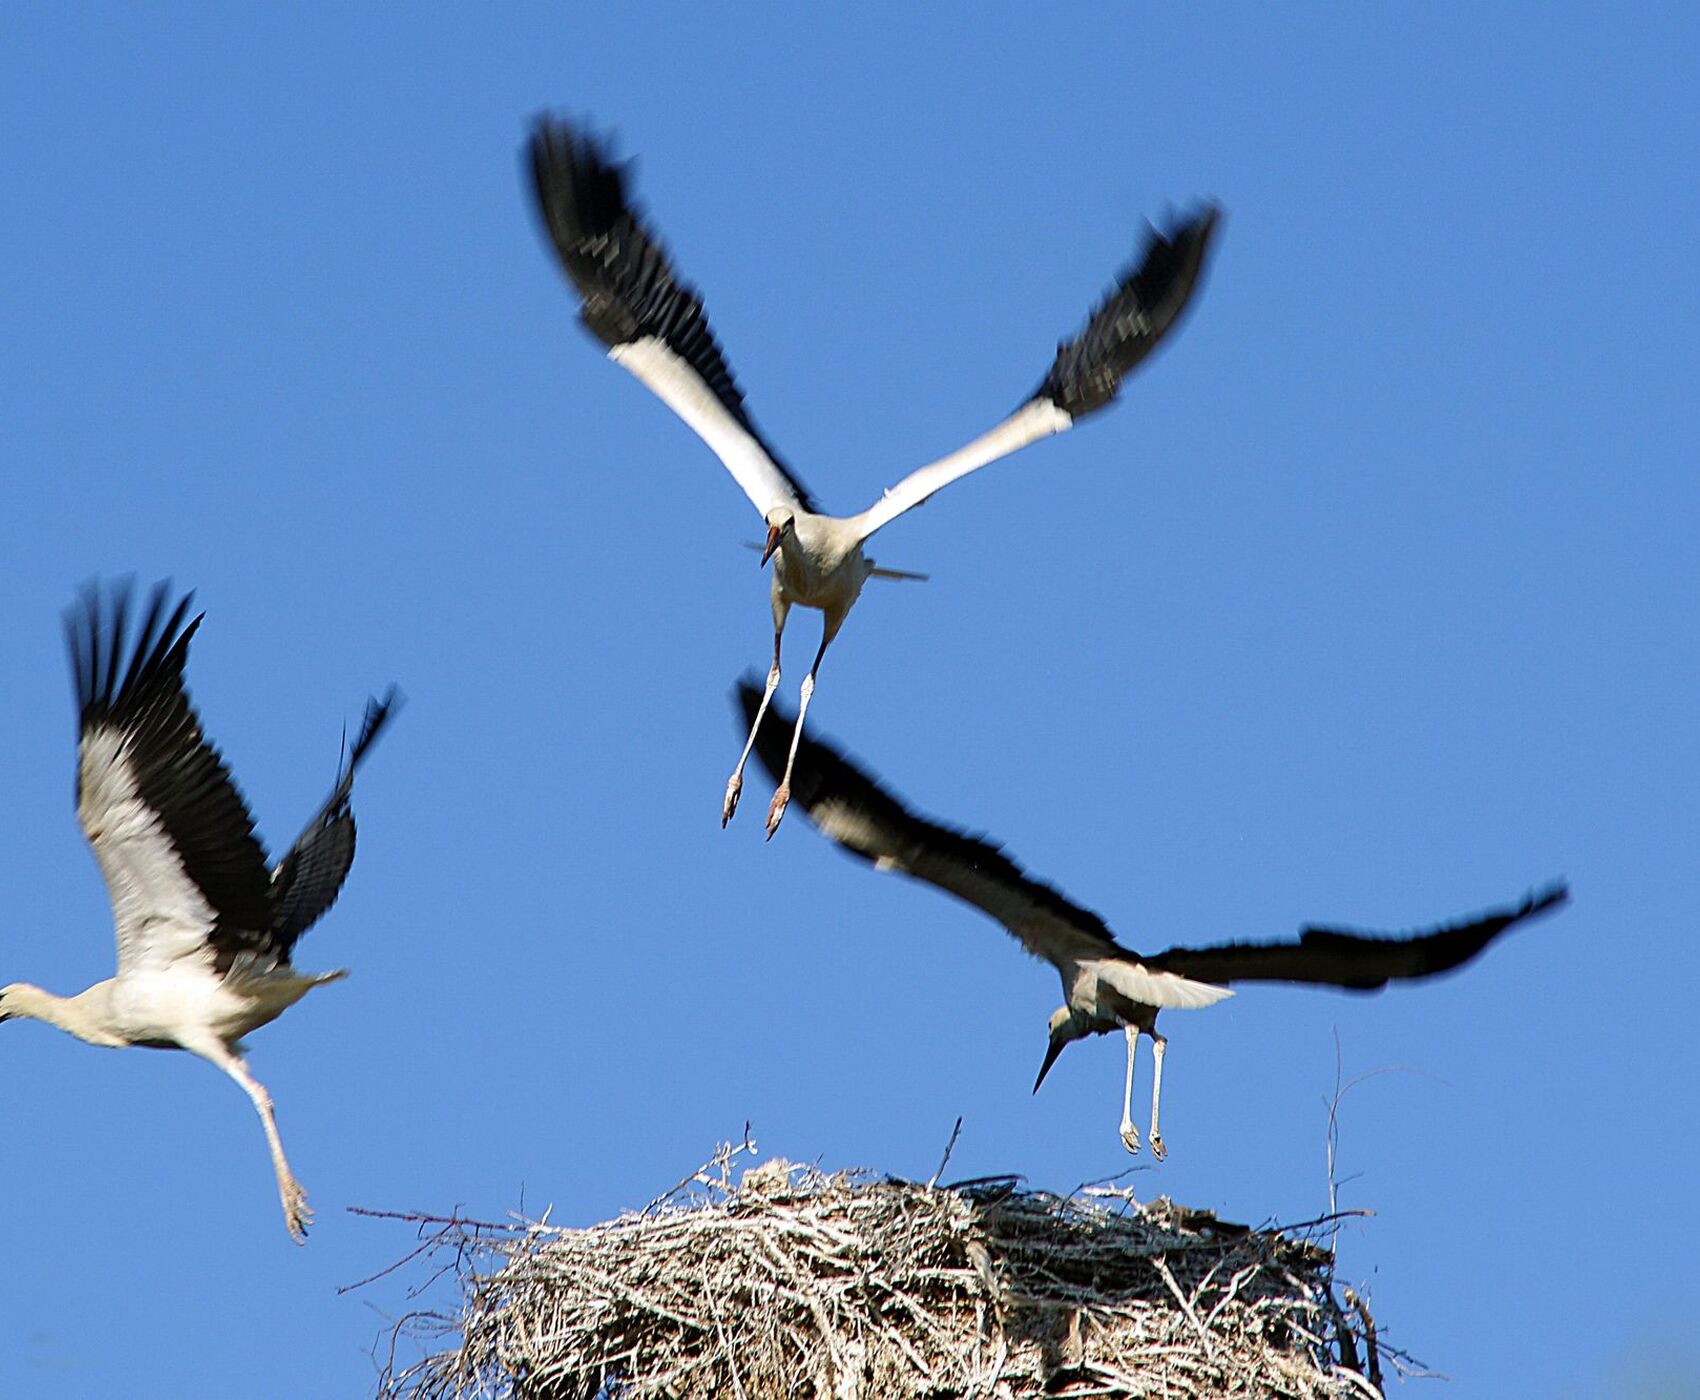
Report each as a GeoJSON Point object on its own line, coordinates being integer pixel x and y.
{"type": "Point", "coordinates": [622, 272]}
{"type": "Point", "coordinates": [1355, 960]}
{"type": "Point", "coordinates": [1132, 320]}
{"type": "Point", "coordinates": [873, 825]}
{"type": "Point", "coordinates": [308, 879]}
{"type": "Point", "coordinates": [861, 816]}
{"type": "Point", "coordinates": [178, 773]}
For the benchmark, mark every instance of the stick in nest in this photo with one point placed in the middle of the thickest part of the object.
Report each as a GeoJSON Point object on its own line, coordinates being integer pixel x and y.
{"type": "Point", "coordinates": [794, 1281]}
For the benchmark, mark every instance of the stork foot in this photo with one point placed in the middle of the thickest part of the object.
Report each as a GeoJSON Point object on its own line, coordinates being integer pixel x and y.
{"type": "Point", "coordinates": [1130, 1138]}
{"type": "Point", "coordinates": [1158, 1149]}
{"type": "Point", "coordinates": [297, 1214]}
{"type": "Point", "coordinates": [781, 799]}
{"type": "Point", "coordinates": [734, 789]}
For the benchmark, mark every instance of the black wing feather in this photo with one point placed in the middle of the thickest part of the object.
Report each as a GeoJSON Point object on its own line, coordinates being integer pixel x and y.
{"type": "Point", "coordinates": [622, 272]}
{"type": "Point", "coordinates": [309, 878]}
{"type": "Point", "coordinates": [1356, 960]}
{"type": "Point", "coordinates": [867, 821]}
{"type": "Point", "coordinates": [1132, 320]}
{"type": "Point", "coordinates": [179, 774]}
{"type": "Point", "coordinates": [871, 824]}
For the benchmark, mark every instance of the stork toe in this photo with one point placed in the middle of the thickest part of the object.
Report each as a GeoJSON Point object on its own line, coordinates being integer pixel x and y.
{"type": "Point", "coordinates": [781, 799]}
{"type": "Point", "coordinates": [297, 1214]}
{"type": "Point", "coordinates": [734, 789]}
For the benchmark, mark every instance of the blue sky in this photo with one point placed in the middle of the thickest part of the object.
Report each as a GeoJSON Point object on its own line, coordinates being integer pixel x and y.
{"type": "Point", "coordinates": [1373, 601]}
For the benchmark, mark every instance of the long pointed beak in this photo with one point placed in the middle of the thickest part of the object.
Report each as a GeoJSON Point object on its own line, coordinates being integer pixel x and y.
{"type": "Point", "coordinates": [771, 545]}
{"type": "Point", "coordinates": [1050, 1059]}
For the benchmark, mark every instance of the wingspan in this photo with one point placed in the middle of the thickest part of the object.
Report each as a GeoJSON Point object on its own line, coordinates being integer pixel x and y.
{"type": "Point", "coordinates": [849, 806]}
{"type": "Point", "coordinates": [1353, 959]}
{"type": "Point", "coordinates": [174, 839]}
{"type": "Point", "coordinates": [1144, 306]}
{"type": "Point", "coordinates": [307, 881]}
{"type": "Point", "coordinates": [652, 323]}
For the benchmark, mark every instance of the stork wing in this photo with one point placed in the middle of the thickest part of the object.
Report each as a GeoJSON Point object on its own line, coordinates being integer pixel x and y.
{"type": "Point", "coordinates": [306, 882]}
{"type": "Point", "coordinates": [1127, 326]}
{"type": "Point", "coordinates": [1353, 959]}
{"type": "Point", "coordinates": [176, 844]}
{"type": "Point", "coordinates": [848, 805]}
{"type": "Point", "coordinates": [651, 323]}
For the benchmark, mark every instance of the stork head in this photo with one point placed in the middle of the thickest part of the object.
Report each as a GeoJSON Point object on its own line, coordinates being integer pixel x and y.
{"type": "Point", "coordinates": [781, 521]}
{"type": "Point", "coordinates": [1066, 1026]}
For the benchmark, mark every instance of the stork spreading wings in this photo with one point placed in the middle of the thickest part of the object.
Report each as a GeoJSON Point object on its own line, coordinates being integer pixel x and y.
{"type": "Point", "coordinates": [1106, 986]}
{"type": "Point", "coordinates": [654, 324]}
{"type": "Point", "coordinates": [205, 927]}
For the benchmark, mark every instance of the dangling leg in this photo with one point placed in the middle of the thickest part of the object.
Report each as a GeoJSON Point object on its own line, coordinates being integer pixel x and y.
{"type": "Point", "coordinates": [296, 1215]}
{"type": "Point", "coordinates": [782, 795]}
{"type": "Point", "coordinates": [1158, 1045]}
{"type": "Point", "coordinates": [1130, 1134]}
{"type": "Point", "coordinates": [735, 784]}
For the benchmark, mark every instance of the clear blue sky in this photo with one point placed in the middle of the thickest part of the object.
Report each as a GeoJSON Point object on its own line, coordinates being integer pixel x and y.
{"type": "Point", "coordinates": [1373, 601]}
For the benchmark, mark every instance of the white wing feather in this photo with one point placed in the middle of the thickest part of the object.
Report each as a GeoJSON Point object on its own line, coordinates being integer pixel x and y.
{"type": "Point", "coordinates": [159, 914]}
{"type": "Point", "coordinates": [1165, 989]}
{"type": "Point", "coordinates": [1035, 419]}
{"type": "Point", "coordinates": [672, 380]}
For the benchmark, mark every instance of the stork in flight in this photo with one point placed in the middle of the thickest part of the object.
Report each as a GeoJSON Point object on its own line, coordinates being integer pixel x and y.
{"type": "Point", "coordinates": [204, 927]}
{"type": "Point", "coordinates": [1105, 986]}
{"type": "Point", "coordinates": [654, 325]}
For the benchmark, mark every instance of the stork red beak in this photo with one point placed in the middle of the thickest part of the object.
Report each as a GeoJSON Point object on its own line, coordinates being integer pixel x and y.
{"type": "Point", "coordinates": [1050, 1059]}
{"type": "Point", "coordinates": [772, 544]}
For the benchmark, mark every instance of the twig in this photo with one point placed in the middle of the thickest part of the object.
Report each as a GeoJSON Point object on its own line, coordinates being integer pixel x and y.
{"type": "Point", "coordinates": [722, 1158]}
{"type": "Point", "coordinates": [1361, 1308]}
{"type": "Point", "coordinates": [420, 1218]}
{"type": "Point", "coordinates": [1181, 1298]}
{"type": "Point", "coordinates": [955, 1133]}
{"type": "Point", "coordinates": [1331, 1218]}
{"type": "Point", "coordinates": [858, 1284]}
{"type": "Point", "coordinates": [425, 1246]}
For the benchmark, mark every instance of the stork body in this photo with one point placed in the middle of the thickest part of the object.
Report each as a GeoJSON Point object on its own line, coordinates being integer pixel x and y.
{"type": "Point", "coordinates": [654, 325]}
{"type": "Point", "coordinates": [204, 927]}
{"type": "Point", "coordinates": [1106, 986]}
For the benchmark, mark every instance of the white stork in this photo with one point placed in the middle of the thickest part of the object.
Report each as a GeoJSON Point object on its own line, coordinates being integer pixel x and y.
{"type": "Point", "coordinates": [1105, 986]}
{"type": "Point", "coordinates": [204, 926]}
{"type": "Point", "coordinates": [654, 325]}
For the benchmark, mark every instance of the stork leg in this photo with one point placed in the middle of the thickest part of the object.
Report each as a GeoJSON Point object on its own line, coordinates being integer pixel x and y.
{"type": "Point", "coordinates": [1158, 1044]}
{"type": "Point", "coordinates": [296, 1214]}
{"type": "Point", "coordinates": [1130, 1134]}
{"type": "Point", "coordinates": [782, 794]}
{"type": "Point", "coordinates": [735, 784]}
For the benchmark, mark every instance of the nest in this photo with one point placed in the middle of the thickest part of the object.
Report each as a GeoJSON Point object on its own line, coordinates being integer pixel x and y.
{"type": "Point", "coordinates": [794, 1282]}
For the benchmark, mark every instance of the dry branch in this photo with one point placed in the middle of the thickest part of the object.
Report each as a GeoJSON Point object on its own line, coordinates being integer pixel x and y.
{"type": "Point", "coordinates": [793, 1282]}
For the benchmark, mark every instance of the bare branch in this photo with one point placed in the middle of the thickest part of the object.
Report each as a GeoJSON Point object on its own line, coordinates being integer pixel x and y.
{"type": "Point", "coordinates": [792, 1280]}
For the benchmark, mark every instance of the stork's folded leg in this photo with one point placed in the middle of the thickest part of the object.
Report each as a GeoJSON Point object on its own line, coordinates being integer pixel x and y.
{"type": "Point", "coordinates": [782, 794]}
{"type": "Point", "coordinates": [1158, 1045]}
{"type": "Point", "coordinates": [1130, 1134]}
{"type": "Point", "coordinates": [735, 784]}
{"type": "Point", "coordinates": [296, 1214]}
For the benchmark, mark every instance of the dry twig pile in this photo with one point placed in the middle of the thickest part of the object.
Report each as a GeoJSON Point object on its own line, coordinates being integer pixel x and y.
{"type": "Point", "coordinates": [797, 1283]}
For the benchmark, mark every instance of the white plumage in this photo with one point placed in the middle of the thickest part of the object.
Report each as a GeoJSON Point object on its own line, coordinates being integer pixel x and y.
{"type": "Point", "coordinates": [204, 927]}
{"type": "Point", "coordinates": [1106, 986]}
{"type": "Point", "coordinates": [654, 325]}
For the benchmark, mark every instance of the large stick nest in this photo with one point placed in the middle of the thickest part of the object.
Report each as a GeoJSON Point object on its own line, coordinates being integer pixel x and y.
{"type": "Point", "coordinates": [846, 1287]}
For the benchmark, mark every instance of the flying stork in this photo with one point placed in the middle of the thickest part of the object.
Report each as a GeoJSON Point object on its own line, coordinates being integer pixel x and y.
{"type": "Point", "coordinates": [204, 926]}
{"type": "Point", "coordinates": [654, 325]}
{"type": "Point", "coordinates": [1105, 985]}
